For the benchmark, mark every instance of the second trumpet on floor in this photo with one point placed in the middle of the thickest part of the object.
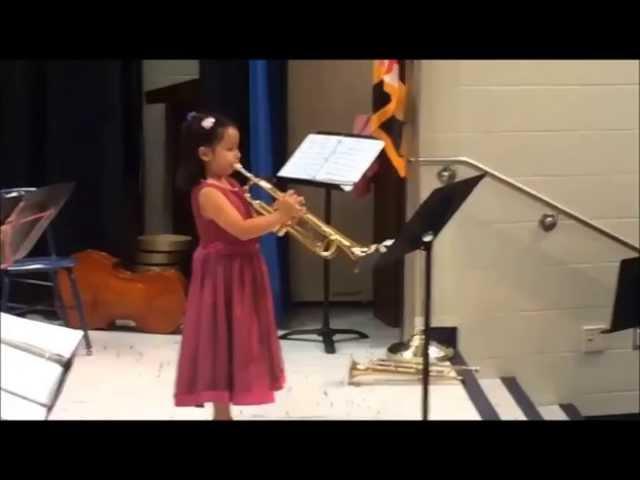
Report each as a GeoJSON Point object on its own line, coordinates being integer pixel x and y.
{"type": "Point", "coordinates": [390, 370]}
{"type": "Point", "coordinates": [322, 239]}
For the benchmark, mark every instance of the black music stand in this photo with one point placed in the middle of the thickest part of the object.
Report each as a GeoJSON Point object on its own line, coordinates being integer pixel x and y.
{"type": "Point", "coordinates": [419, 233]}
{"type": "Point", "coordinates": [326, 332]}
{"type": "Point", "coordinates": [626, 308]}
{"type": "Point", "coordinates": [25, 215]}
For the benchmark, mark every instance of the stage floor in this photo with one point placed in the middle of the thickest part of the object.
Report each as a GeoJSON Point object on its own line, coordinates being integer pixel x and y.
{"type": "Point", "coordinates": [131, 377]}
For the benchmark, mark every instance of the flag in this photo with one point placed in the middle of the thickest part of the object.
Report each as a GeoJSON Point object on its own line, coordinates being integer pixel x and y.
{"type": "Point", "coordinates": [387, 119]}
{"type": "Point", "coordinates": [388, 172]}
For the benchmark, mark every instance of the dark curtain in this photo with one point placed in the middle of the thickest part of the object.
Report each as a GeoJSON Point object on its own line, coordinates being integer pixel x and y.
{"type": "Point", "coordinates": [226, 89]}
{"type": "Point", "coordinates": [78, 121]}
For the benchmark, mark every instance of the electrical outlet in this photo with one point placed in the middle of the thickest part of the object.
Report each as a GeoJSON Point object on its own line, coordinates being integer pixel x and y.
{"type": "Point", "coordinates": [592, 338]}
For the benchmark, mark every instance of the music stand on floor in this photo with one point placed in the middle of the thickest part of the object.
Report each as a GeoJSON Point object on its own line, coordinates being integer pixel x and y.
{"type": "Point", "coordinates": [419, 233]}
{"type": "Point", "coordinates": [332, 161]}
{"type": "Point", "coordinates": [24, 216]}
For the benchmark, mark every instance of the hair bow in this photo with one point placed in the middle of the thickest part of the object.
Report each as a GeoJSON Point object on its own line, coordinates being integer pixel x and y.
{"type": "Point", "coordinates": [208, 122]}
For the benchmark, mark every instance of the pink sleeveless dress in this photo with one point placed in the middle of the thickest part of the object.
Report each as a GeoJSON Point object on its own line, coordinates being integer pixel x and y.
{"type": "Point", "coordinates": [230, 351]}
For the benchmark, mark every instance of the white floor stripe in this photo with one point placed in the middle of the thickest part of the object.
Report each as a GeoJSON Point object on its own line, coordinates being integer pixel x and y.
{"type": "Point", "coordinates": [552, 412]}
{"type": "Point", "coordinates": [501, 399]}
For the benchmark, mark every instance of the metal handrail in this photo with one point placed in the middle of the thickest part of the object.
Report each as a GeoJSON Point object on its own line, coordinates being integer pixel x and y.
{"type": "Point", "coordinates": [442, 160]}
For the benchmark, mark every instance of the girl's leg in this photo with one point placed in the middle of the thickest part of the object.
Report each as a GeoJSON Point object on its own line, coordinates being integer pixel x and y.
{"type": "Point", "coordinates": [222, 411]}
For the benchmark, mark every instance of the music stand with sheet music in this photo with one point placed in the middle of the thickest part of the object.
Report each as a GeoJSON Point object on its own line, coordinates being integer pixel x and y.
{"type": "Point", "coordinates": [333, 161]}
{"type": "Point", "coordinates": [25, 215]}
{"type": "Point", "coordinates": [419, 233]}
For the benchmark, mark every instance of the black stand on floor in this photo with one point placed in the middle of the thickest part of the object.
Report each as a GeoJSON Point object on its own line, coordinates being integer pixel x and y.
{"type": "Point", "coordinates": [331, 160]}
{"type": "Point", "coordinates": [325, 331]}
{"type": "Point", "coordinates": [419, 233]}
{"type": "Point", "coordinates": [626, 306]}
{"type": "Point", "coordinates": [426, 247]}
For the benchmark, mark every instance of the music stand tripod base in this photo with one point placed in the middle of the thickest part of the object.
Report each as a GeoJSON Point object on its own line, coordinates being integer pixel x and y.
{"type": "Point", "coordinates": [325, 331]}
{"type": "Point", "coordinates": [326, 334]}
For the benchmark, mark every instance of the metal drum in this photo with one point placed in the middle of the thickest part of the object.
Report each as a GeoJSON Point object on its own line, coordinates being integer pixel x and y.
{"type": "Point", "coordinates": [162, 252]}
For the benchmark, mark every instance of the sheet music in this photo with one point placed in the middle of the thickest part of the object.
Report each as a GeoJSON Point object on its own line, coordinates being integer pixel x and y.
{"type": "Point", "coordinates": [61, 341]}
{"type": "Point", "coordinates": [309, 158]}
{"type": "Point", "coordinates": [32, 358]}
{"type": "Point", "coordinates": [13, 407]}
{"type": "Point", "coordinates": [350, 160]}
{"type": "Point", "coordinates": [336, 159]}
{"type": "Point", "coordinates": [31, 377]}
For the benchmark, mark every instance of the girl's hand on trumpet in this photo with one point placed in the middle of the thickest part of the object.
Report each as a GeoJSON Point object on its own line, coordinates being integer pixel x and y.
{"type": "Point", "coordinates": [291, 207]}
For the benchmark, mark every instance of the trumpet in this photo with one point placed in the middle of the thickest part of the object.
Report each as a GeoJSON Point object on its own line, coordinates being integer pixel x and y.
{"type": "Point", "coordinates": [403, 370]}
{"type": "Point", "coordinates": [322, 239]}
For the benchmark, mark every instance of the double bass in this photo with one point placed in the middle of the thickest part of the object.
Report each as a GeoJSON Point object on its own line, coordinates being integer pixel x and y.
{"type": "Point", "coordinates": [153, 300]}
